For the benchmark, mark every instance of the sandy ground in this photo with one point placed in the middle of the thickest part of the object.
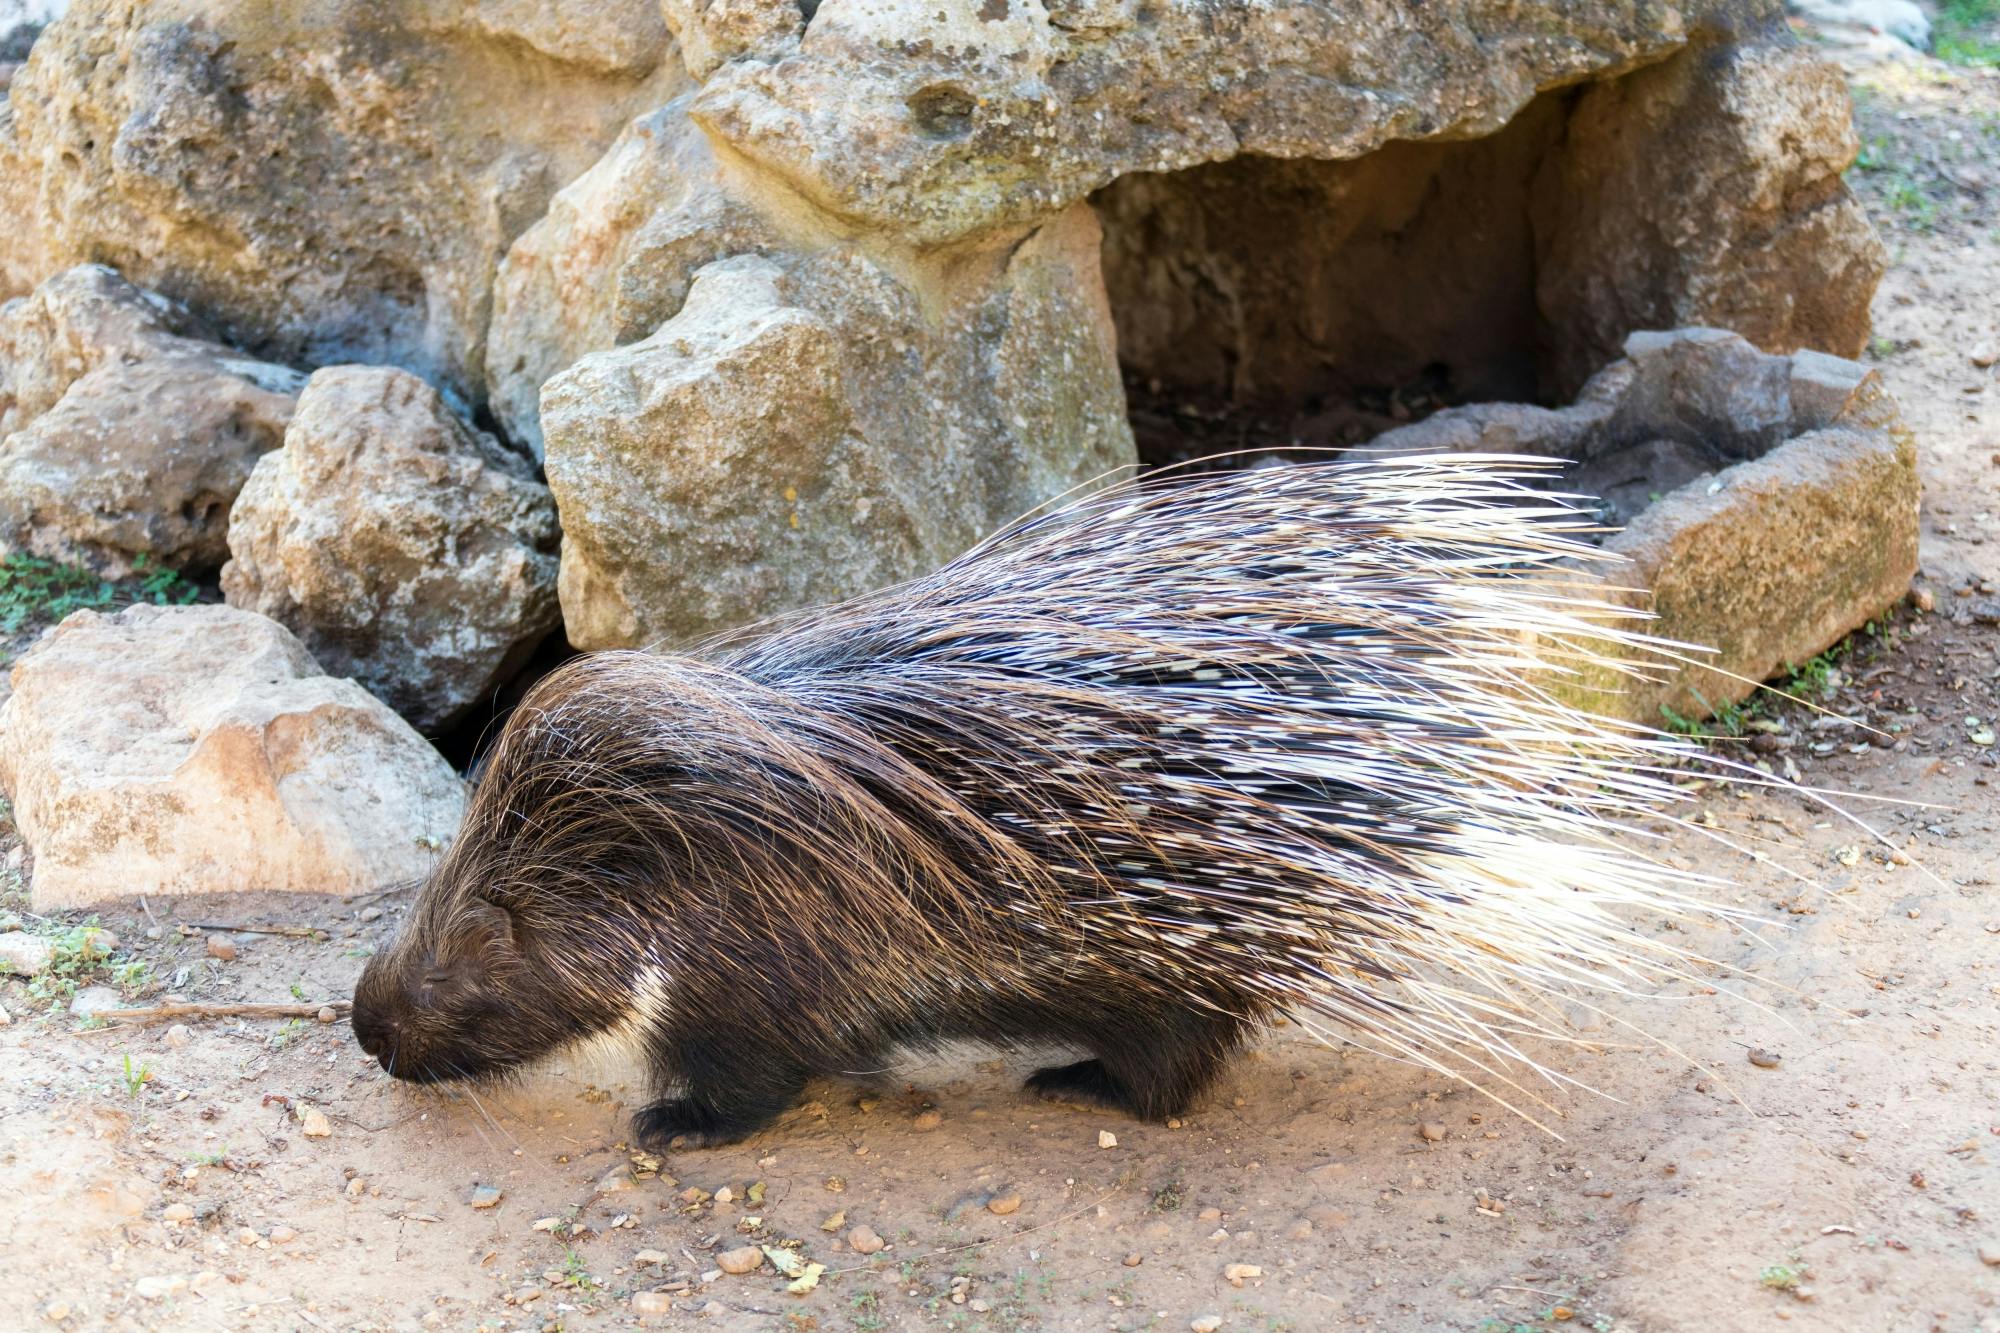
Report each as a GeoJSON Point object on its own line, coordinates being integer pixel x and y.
{"type": "Point", "coordinates": [146, 1184]}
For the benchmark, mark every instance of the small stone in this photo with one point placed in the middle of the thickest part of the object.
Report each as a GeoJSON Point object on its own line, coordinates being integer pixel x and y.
{"type": "Point", "coordinates": [1237, 1274]}
{"type": "Point", "coordinates": [1764, 1059]}
{"type": "Point", "coordinates": [1208, 1323]}
{"type": "Point", "coordinates": [370, 914]}
{"type": "Point", "coordinates": [24, 954]}
{"type": "Point", "coordinates": [834, 1221]}
{"type": "Point", "coordinates": [644, 1257]}
{"type": "Point", "coordinates": [179, 1035]}
{"type": "Point", "coordinates": [1989, 1254]}
{"type": "Point", "coordinates": [1002, 1204]}
{"type": "Point", "coordinates": [864, 1240]}
{"type": "Point", "coordinates": [620, 1180]}
{"type": "Point", "coordinates": [1432, 1131]}
{"type": "Point", "coordinates": [326, 1014]}
{"type": "Point", "coordinates": [158, 1288]}
{"type": "Point", "coordinates": [56, 1311]}
{"type": "Point", "coordinates": [1985, 355]}
{"type": "Point", "coordinates": [1209, 1214]}
{"type": "Point", "coordinates": [926, 1120]}
{"type": "Point", "coordinates": [482, 1196]}
{"type": "Point", "coordinates": [5, 1017]}
{"type": "Point", "coordinates": [1134, 1259]}
{"type": "Point", "coordinates": [246, 1236]}
{"type": "Point", "coordinates": [652, 1302]}
{"type": "Point", "coordinates": [94, 1000]}
{"type": "Point", "coordinates": [313, 1123]}
{"type": "Point", "coordinates": [740, 1261]}
{"type": "Point", "coordinates": [221, 947]}
{"type": "Point", "coordinates": [283, 1235]}
{"type": "Point", "coordinates": [1106, 1139]}
{"type": "Point", "coordinates": [177, 1212]}
{"type": "Point", "coordinates": [527, 1295]}
{"type": "Point", "coordinates": [714, 1309]}
{"type": "Point", "coordinates": [356, 1188]}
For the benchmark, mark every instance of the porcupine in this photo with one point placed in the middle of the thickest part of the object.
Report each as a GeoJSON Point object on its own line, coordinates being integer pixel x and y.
{"type": "Point", "coordinates": [1132, 777]}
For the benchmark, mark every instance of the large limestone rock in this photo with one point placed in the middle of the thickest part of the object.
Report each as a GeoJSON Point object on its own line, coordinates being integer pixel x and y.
{"type": "Point", "coordinates": [806, 430]}
{"type": "Point", "coordinates": [326, 183]}
{"type": "Point", "coordinates": [1766, 505]}
{"type": "Point", "coordinates": [200, 749]}
{"type": "Point", "coordinates": [124, 432]}
{"type": "Point", "coordinates": [403, 548]}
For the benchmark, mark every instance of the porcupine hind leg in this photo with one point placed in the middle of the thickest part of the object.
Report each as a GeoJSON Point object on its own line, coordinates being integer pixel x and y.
{"type": "Point", "coordinates": [1149, 1066]}
{"type": "Point", "coordinates": [729, 1091]}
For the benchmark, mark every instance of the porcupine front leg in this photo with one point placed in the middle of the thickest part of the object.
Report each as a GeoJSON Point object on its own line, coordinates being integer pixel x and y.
{"type": "Point", "coordinates": [730, 1089]}
{"type": "Point", "coordinates": [1149, 1066]}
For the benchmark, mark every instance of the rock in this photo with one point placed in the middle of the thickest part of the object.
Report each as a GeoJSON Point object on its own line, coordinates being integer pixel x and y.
{"type": "Point", "coordinates": [313, 1123]}
{"type": "Point", "coordinates": [1989, 1253]}
{"type": "Point", "coordinates": [1431, 1131]}
{"type": "Point", "coordinates": [925, 1121]}
{"type": "Point", "coordinates": [222, 948]}
{"type": "Point", "coordinates": [652, 1302]}
{"type": "Point", "coordinates": [193, 749]}
{"type": "Point", "coordinates": [283, 1235]}
{"type": "Point", "coordinates": [1003, 1204]}
{"type": "Point", "coordinates": [1106, 1139]}
{"type": "Point", "coordinates": [403, 548]}
{"type": "Point", "coordinates": [177, 1212]}
{"type": "Point", "coordinates": [326, 184]}
{"type": "Point", "coordinates": [1134, 1259]}
{"type": "Point", "coordinates": [23, 954]}
{"type": "Point", "coordinates": [179, 1035]}
{"type": "Point", "coordinates": [863, 1240]}
{"type": "Point", "coordinates": [1237, 1274]}
{"type": "Point", "coordinates": [485, 1196]}
{"type": "Point", "coordinates": [804, 432]}
{"type": "Point", "coordinates": [94, 1000]}
{"type": "Point", "coordinates": [5, 1017]}
{"type": "Point", "coordinates": [158, 1288]}
{"type": "Point", "coordinates": [125, 432]}
{"type": "Point", "coordinates": [1764, 1059]}
{"type": "Point", "coordinates": [1208, 1323]}
{"type": "Point", "coordinates": [744, 1259]}
{"type": "Point", "coordinates": [1985, 355]}
{"type": "Point", "coordinates": [1903, 20]}
{"type": "Point", "coordinates": [326, 1014]}
{"type": "Point", "coordinates": [1768, 448]}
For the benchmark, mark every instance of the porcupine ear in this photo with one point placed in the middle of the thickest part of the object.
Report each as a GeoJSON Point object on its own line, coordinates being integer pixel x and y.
{"type": "Point", "coordinates": [489, 934]}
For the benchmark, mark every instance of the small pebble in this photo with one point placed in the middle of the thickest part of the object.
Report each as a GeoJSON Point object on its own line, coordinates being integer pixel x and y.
{"type": "Point", "coordinates": [1764, 1059]}
{"type": "Point", "coordinates": [740, 1261]}
{"type": "Point", "coordinates": [1989, 1254]}
{"type": "Point", "coordinates": [927, 1120]}
{"type": "Point", "coordinates": [93, 1000]}
{"type": "Point", "coordinates": [1208, 1323]}
{"type": "Point", "coordinates": [652, 1302]}
{"type": "Point", "coordinates": [158, 1288]}
{"type": "Point", "coordinates": [313, 1123]}
{"type": "Point", "coordinates": [177, 1212]}
{"type": "Point", "coordinates": [714, 1308]}
{"type": "Point", "coordinates": [5, 1017]}
{"type": "Point", "coordinates": [1106, 1139]}
{"type": "Point", "coordinates": [864, 1240]}
{"type": "Point", "coordinates": [644, 1257]}
{"type": "Point", "coordinates": [283, 1235]}
{"type": "Point", "coordinates": [221, 947]}
{"type": "Point", "coordinates": [1003, 1204]}
{"type": "Point", "coordinates": [620, 1180]}
{"type": "Point", "coordinates": [1134, 1259]}
{"type": "Point", "coordinates": [326, 1014]}
{"type": "Point", "coordinates": [56, 1311]}
{"type": "Point", "coordinates": [179, 1035]}
{"type": "Point", "coordinates": [371, 914]}
{"type": "Point", "coordinates": [1237, 1274]}
{"type": "Point", "coordinates": [482, 1196]}
{"type": "Point", "coordinates": [1432, 1131]}
{"type": "Point", "coordinates": [356, 1188]}
{"type": "Point", "coordinates": [527, 1295]}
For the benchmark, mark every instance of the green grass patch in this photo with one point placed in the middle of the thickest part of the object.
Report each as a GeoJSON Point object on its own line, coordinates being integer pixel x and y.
{"type": "Point", "coordinates": [1967, 32]}
{"type": "Point", "coordinates": [34, 591]}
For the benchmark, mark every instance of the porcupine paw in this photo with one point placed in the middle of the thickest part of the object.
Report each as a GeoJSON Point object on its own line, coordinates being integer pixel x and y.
{"type": "Point", "coordinates": [682, 1124]}
{"type": "Point", "coordinates": [1087, 1082]}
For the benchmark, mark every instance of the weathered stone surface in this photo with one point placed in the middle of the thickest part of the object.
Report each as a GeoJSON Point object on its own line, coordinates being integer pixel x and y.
{"type": "Point", "coordinates": [199, 749]}
{"type": "Point", "coordinates": [807, 429]}
{"type": "Point", "coordinates": [1707, 191]}
{"type": "Point", "coordinates": [711, 32]}
{"type": "Point", "coordinates": [123, 432]}
{"type": "Point", "coordinates": [947, 118]}
{"type": "Point", "coordinates": [611, 261]}
{"type": "Point", "coordinates": [403, 548]}
{"type": "Point", "coordinates": [1769, 502]}
{"type": "Point", "coordinates": [326, 183]}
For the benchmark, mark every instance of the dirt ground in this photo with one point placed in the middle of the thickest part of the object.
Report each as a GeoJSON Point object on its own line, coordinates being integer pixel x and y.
{"type": "Point", "coordinates": [160, 1179]}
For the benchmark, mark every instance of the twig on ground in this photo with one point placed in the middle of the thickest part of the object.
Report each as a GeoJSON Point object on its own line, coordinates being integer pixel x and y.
{"type": "Point", "coordinates": [153, 1013]}
{"type": "Point", "coordinates": [295, 932]}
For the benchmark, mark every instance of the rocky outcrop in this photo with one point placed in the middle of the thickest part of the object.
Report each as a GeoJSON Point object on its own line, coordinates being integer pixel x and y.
{"type": "Point", "coordinates": [125, 433]}
{"type": "Point", "coordinates": [403, 548]}
{"type": "Point", "coordinates": [325, 183]}
{"type": "Point", "coordinates": [1766, 505]}
{"type": "Point", "coordinates": [200, 749]}
{"type": "Point", "coordinates": [807, 429]}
